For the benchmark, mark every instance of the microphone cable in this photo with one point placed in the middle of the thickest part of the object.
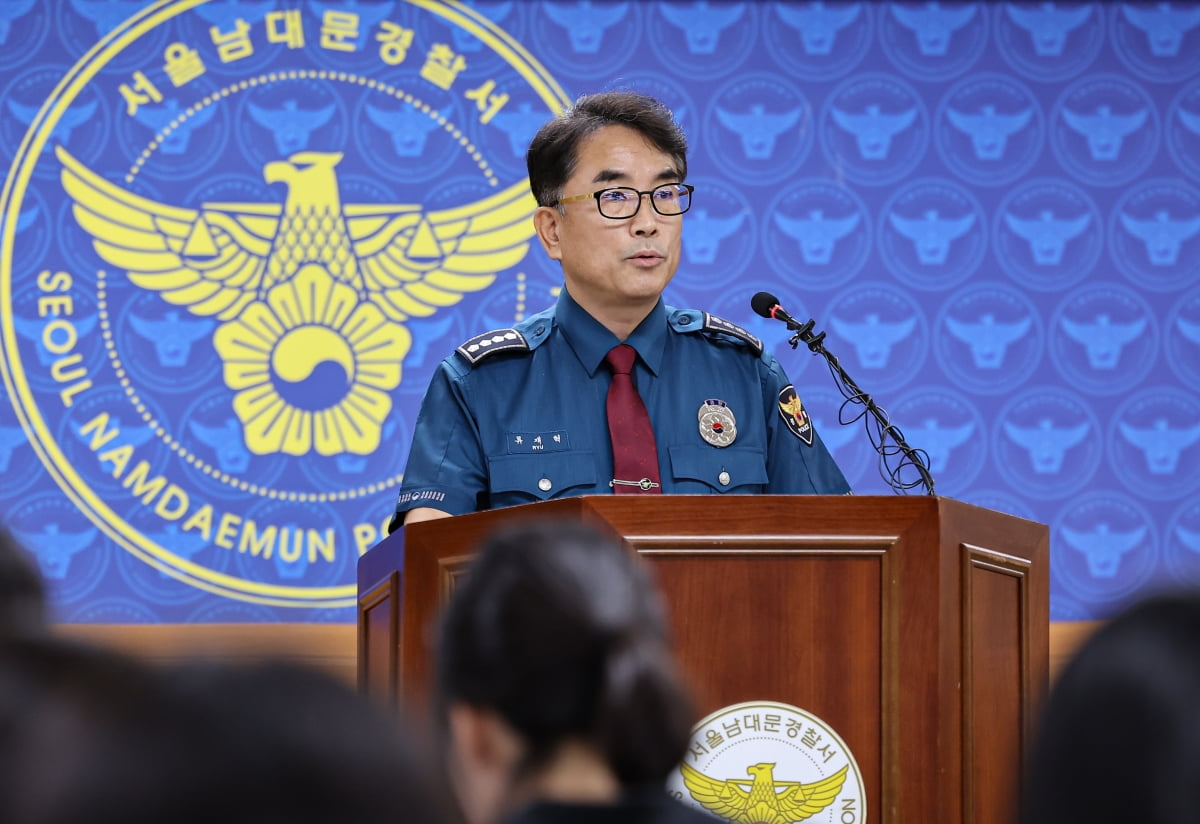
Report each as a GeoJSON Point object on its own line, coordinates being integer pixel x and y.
{"type": "Point", "coordinates": [896, 458]}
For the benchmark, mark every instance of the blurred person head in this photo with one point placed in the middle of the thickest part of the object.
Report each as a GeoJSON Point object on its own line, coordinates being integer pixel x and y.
{"type": "Point", "coordinates": [298, 746]}
{"type": "Point", "coordinates": [1119, 739]}
{"type": "Point", "coordinates": [555, 676]}
{"type": "Point", "coordinates": [22, 593]}
{"type": "Point", "coordinates": [94, 737]}
{"type": "Point", "coordinates": [58, 700]}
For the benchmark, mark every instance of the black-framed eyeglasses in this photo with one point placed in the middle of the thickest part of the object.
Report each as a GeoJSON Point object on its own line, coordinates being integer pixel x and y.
{"type": "Point", "coordinates": [623, 202]}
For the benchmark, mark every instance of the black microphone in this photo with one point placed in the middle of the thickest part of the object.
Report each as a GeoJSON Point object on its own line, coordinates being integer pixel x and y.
{"type": "Point", "coordinates": [767, 305]}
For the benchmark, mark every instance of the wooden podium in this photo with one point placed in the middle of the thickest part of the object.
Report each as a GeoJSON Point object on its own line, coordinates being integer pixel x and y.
{"type": "Point", "coordinates": [916, 627]}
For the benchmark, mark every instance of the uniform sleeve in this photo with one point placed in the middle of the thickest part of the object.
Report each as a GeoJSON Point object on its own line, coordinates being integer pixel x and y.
{"type": "Point", "coordinates": [446, 468]}
{"type": "Point", "coordinates": [794, 466]}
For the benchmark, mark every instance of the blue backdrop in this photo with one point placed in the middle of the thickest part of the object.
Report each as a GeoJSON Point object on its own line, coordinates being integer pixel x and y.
{"type": "Point", "coordinates": [236, 237]}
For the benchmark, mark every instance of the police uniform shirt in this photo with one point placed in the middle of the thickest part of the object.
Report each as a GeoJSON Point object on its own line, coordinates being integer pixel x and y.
{"type": "Point", "coordinates": [518, 416]}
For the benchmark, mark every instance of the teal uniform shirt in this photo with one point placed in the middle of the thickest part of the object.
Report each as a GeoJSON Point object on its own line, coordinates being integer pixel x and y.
{"type": "Point", "coordinates": [518, 415]}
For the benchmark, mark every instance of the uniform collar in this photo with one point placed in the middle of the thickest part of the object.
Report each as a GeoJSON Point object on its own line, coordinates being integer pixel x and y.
{"type": "Point", "coordinates": [590, 340]}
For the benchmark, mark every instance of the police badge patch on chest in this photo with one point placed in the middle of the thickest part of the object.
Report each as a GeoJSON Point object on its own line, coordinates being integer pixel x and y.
{"type": "Point", "coordinates": [717, 424]}
{"type": "Point", "coordinates": [794, 415]}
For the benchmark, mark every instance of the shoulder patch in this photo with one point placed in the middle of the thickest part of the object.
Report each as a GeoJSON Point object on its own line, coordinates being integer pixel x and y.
{"type": "Point", "coordinates": [489, 343]}
{"type": "Point", "coordinates": [794, 415]}
{"type": "Point", "coordinates": [712, 323]}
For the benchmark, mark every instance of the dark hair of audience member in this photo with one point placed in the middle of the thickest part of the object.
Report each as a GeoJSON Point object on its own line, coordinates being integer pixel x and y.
{"type": "Point", "coordinates": [554, 151]}
{"type": "Point", "coordinates": [92, 737]}
{"type": "Point", "coordinates": [22, 593]}
{"type": "Point", "coordinates": [560, 632]}
{"type": "Point", "coordinates": [1119, 738]}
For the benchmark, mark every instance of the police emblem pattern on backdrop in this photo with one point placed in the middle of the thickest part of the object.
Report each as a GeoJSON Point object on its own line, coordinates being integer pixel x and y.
{"type": "Point", "coordinates": [237, 236]}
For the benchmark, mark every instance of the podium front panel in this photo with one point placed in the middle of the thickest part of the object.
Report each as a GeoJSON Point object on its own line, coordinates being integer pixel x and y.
{"type": "Point", "coordinates": [917, 628]}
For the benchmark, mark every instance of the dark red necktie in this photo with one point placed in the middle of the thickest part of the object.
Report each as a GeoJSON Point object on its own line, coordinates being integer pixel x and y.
{"type": "Point", "coordinates": [635, 457]}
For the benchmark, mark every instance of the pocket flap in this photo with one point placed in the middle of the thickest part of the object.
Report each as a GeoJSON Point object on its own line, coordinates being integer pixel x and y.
{"type": "Point", "coordinates": [722, 469]}
{"type": "Point", "coordinates": [542, 475]}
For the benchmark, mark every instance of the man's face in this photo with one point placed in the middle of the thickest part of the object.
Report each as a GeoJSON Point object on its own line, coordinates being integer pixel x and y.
{"type": "Point", "coordinates": [614, 265]}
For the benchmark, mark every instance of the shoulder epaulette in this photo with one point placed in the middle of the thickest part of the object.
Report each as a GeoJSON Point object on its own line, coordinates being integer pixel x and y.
{"type": "Point", "coordinates": [712, 323]}
{"type": "Point", "coordinates": [490, 343]}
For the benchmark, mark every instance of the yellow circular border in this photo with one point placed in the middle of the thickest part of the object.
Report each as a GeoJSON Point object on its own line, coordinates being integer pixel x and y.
{"type": "Point", "coordinates": [29, 153]}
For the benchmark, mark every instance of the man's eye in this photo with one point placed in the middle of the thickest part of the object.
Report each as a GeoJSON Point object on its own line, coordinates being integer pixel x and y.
{"type": "Point", "coordinates": [671, 193]}
{"type": "Point", "coordinates": [615, 196]}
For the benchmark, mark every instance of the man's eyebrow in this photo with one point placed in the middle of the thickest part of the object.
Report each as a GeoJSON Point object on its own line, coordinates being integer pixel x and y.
{"type": "Point", "coordinates": [613, 175]}
{"type": "Point", "coordinates": [609, 175]}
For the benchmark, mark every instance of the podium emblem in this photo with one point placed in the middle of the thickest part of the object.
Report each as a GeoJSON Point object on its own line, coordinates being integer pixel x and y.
{"type": "Point", "coordinates": [762, 762]}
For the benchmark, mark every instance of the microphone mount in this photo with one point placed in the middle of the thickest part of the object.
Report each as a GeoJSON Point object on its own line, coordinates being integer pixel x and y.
{"type": "Point", "coordinates": [879, 426]}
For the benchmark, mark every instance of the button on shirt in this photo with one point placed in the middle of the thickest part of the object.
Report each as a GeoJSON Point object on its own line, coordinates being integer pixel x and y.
{"type": "Point", "coordinates": [529, 425]}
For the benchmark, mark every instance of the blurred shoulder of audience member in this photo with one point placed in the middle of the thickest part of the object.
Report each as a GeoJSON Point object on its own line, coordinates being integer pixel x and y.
{"type": "Point", "coordinates": [557, 683]}
{"type": "Point", "coordinates": [1119, 738]}
{"type": "Point", "coordinates": [22, 593]}
{"type": "Point", "coordinates": [95, 737]}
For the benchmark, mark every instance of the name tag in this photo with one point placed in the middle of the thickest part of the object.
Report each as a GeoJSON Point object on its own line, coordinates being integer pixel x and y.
{"type": "Point", "coordinates": [521, 443]}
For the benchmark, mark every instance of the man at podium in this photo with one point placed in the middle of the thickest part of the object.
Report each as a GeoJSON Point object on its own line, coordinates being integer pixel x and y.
{"type": "Point", "coordinates": [610, 390]}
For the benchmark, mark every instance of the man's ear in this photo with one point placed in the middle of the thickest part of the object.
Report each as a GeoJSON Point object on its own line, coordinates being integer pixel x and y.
{"type": "Point", "coordinates": [546, 222]}
{"type": "Point", "coordinates": [468, 731]}
{"type": "Point", "coordinates": [484, 753]}
{"type": "Point", "coordinates": [479, 735]}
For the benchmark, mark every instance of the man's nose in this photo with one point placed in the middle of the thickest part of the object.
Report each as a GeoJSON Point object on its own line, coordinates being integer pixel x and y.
{"type": "Point", "coordinates": [645, 222]}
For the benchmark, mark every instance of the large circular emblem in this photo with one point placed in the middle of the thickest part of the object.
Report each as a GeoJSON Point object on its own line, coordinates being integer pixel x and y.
{"type": "Point", "coordinates": [762, 761]}
{"type": "Point", "coordinates": [219, 358]}
{"type": "Point", "coordinates": [717, 424]}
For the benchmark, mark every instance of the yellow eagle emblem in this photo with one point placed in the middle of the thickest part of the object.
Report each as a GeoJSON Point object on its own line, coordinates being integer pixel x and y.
{"type": "Point", "coordinates": [762, 800]}
{"type": "Point", "coordinates": [794, 409]}
{"type": "Point", "coordinates": [306, 291]}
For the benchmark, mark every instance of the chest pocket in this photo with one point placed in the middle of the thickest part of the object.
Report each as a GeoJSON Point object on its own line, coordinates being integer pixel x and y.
{"type": "Point", "coordinates": [539, 476]}
{"type": "Point", "coordinates": [731, 469]}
